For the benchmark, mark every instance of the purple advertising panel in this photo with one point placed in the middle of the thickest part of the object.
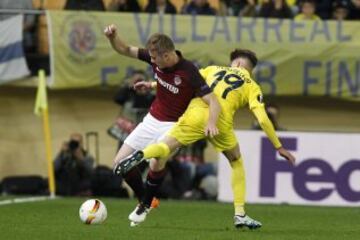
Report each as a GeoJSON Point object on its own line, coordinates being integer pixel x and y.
{"type": "Point", "coordinates": [327, 171]}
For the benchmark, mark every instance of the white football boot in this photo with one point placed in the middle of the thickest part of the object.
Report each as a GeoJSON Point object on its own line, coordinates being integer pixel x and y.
{"type": "Point", "coordinates": [246, 221]}
{"type": "Point", "coordinates": [138, 215]}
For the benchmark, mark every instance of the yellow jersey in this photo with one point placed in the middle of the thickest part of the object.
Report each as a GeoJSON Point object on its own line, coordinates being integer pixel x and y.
{"type": "Point", "coordinates": [233, 87]}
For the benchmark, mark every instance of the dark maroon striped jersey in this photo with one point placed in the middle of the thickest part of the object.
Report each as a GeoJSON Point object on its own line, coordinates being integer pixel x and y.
{"type": "Point", "coordinates": [176, 86]}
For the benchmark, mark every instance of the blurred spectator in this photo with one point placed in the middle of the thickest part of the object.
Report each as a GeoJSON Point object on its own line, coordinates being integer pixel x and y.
{"type": "Point", "coordinates": [275, 9]}
{"type": "Point", "coordinates": [124, 6]}
{"type": "Point", "coordinates": [199, 7]}
{"type": "Point", "coordinates": [73, 168]}
{"type": "Point", "coordinates": [160, 6]}
{"type": "Point", "coordinates": [354, 10]}
{"type": "Point", "coordinates": [235, 6]}
{"type": "Point", "coordinates": [340, 10]}
{"type": "Point", "coordinates": [291, 3]}
{"type": "Point", "coordinates": [245, 8]}
{"type": "Point", "coordinates": [308, 8]}
{"type": "Point", "coordinates": [187, 171]}
{"type": "Point", "coordinates": [249, 10]}
{"type": "Point", "coordinates": [239, 7]}
{"type": "Point", "coordinates": [273, 113]}
{"type": "Point", "coordinates": [89, 5]}
{"type": "Point", "coordinates": [323, 8]}
{"type": "Point", "coordinates": [134, 106]}
{"type": "Point", "coordinates": [193, 153]}
{"type": "Point", "coordinates": [29, 20]}
{"type": "Point", "coordinates": [224, 8]}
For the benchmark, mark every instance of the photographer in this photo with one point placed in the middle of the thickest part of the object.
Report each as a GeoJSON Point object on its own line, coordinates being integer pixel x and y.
{"type": "Point", "coordinates": [73, 168]}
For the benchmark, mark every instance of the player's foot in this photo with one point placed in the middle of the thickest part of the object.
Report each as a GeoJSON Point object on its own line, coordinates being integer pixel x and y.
{"type": "Point", "coordinates": [134, 224]}
{"type": "Point", "coordinates": [155, 203]}
{"type": "Point", "coordinates": [246, 221]}
{"type": "Point", "coordinates": [138, 215]}
{"type": "Point", "coordinates": [128, 163]}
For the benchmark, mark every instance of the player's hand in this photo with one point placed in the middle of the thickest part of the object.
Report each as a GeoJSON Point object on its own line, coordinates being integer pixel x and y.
{"type": "Point", "coordinates": [211, 130]}
{"type": "Point", "coordinates": [142, 86]}
{"type": "Point", "coordinates": [287, 155]}
{"type": "Point", "coordinates": [110, 31]}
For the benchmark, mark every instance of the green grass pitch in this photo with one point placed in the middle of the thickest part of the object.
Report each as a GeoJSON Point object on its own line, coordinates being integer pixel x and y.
{"type": "Point", "coordinates": [58, 219]}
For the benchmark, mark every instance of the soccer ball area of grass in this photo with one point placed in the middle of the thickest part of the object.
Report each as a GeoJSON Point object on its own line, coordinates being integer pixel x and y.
{"type": "Point", "coordinates": [59, 219]}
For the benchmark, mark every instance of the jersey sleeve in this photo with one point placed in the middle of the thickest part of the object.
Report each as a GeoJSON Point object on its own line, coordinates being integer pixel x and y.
{"type": "Point", "coordinates": [204, 72]}
{"type": "Point", "coordinates": [144, 55]}
{"type": "Point", "coordinates": [198, 81]}
{"type": "Point", "coordinates": [255, 97]}
{"type": "Point", "coordinates": [266, 125]}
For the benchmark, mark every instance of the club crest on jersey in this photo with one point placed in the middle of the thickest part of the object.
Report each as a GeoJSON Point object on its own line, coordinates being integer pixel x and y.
{"type": "Point", "coordinates": [177, 80]}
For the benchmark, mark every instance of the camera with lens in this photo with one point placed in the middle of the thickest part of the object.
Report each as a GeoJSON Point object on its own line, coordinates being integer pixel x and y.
{"type": "Point", "coordinates": [73, 145]}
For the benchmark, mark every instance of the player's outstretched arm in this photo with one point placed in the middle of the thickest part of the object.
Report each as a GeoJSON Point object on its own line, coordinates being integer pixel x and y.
{"type": "Point", "coordinates": [287, 155]}
{"type": "Point", "coordinates": [144, 86]}
{"type": "Point", "coordinates": [118, 44]}
{"type": "Point", "coordinates": [268, 128]}
{"type": "Point", "coordinates": [214, 110]}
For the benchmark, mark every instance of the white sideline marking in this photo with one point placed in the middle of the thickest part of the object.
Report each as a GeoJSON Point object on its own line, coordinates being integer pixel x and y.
{"type": "Point", "coordinates": [27, 199]}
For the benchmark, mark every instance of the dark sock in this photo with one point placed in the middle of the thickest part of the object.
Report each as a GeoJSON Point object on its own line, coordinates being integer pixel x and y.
{"type": "Point", "coordinates": [135, 181]}
{"type": "Point", "coordinates": [153, 182]}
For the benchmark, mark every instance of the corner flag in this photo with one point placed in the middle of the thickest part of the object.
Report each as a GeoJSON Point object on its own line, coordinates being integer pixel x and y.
{"type": "Point", "coordinates": [41, 96]}
{"type": "Point", "coordinates": [41, 109]}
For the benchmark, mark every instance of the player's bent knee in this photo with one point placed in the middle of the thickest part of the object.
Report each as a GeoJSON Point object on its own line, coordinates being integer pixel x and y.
{"type": "Point", "coordinates": [233, 154]}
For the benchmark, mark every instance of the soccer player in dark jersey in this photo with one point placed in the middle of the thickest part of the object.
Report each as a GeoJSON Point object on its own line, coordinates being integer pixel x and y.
{"type": "Point", "coordinates": [177, 82]}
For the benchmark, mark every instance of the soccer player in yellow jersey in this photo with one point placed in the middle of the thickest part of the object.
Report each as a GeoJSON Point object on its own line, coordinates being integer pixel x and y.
{"type": "Point", "coordinates": [234, 89]}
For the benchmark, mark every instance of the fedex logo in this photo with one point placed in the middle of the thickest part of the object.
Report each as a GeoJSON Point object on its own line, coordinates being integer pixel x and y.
{"type": "Point", "coordinates": [271, 166]}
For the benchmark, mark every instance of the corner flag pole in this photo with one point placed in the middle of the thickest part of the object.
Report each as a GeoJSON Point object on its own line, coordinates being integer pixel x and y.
{"type": "Point", "coordinates": [41, 108]}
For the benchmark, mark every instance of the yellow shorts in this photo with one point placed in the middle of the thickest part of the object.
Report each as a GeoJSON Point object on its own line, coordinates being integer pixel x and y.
{"type": "Point", "coordinates": [190, 128]}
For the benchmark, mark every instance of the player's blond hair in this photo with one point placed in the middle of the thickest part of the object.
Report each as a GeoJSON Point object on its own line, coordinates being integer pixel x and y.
{"type": "Point", "coordinates": [160, 43]}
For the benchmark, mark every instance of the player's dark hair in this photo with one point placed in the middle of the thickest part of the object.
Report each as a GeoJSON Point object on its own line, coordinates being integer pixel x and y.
{"type": "Point", "coordinates": [244, 53]}
{"type": "Point", "coordinates": [160, 43]}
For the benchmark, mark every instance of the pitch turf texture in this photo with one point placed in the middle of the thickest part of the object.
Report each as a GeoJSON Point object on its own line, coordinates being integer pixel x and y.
{"type": "Point", "coordinates": [58, 219]}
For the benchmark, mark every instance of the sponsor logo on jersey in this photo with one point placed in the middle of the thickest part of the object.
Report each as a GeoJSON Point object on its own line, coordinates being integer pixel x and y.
{"type": "Point", "coordinates": [167, 85]}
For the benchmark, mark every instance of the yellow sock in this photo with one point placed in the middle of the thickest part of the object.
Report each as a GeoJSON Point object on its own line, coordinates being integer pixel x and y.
{"type": "Point", "coordinates": [238, 185]}
{"type": "Point", "coordinates": [158, 150]}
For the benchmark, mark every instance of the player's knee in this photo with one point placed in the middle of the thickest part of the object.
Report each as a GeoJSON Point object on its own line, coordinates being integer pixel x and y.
{"type": "Point", "coordinates": [232, 160]}
{"type": "Point", "coordinates": [233, 156]}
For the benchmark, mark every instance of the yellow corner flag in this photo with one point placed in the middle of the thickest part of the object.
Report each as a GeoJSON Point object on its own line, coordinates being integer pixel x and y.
{"type": "Point", "coordinates": [41, 95]}
{"type": "Point", "coordinates": [41, 109]}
